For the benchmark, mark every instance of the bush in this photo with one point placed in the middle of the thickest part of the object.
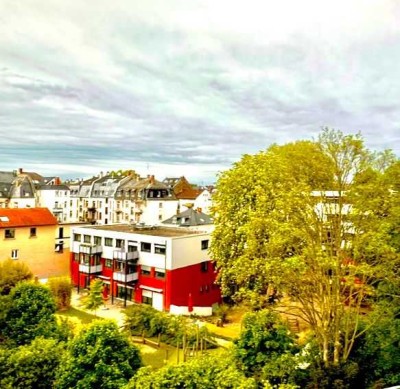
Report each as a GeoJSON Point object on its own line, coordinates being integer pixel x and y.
{"type": "Point", "coordinates": [61, 289]}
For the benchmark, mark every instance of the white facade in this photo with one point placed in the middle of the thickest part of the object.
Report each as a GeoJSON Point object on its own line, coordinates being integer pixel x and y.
{"type": "Point", "coordinates": [57, 200]}
{"type": "Point", "coordinates": [181, 251]}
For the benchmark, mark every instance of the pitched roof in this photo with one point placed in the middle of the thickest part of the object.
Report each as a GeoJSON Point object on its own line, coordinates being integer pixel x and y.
{"type": "Point", "coordinates": [188, 194]}
{"type": "Point", "coordinates": [190, 218]}
{"type": "Point", "coordinates": [26, 217]}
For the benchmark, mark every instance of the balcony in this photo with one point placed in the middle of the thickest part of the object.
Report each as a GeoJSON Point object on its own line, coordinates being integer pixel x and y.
{"type": "Point", "coordinates": [90, 249]}
{"type": "Point", "coordinates": [89, 269]}
{"type": "Point", "coordinates": [122, 277]}
{"type": "Point", "coordinates": [125, 255]}
{"type": "Point", "coordinates": [57, 209]}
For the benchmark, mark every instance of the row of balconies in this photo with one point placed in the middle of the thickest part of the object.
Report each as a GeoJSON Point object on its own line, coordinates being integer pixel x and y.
{"type": "Point", "coordinates": [117, 275]}
{"type": "Point", "coordinates": [117, 254]}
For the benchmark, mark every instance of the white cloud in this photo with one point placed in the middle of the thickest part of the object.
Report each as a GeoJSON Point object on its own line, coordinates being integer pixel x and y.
{"type": "Point", "coordinates": [191, 85]}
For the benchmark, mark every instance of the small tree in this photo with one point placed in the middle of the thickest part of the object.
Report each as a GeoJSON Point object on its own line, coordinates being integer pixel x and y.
{"type": "Point", "coordinates": [11, 273]}
{"type": "Point", "coordinates": [61, 289]}
{"type": "Point", "coordinates": [95, 298]}
{"type": "Point", "coordinates": [99, 357]}
{"type": "Point", "coordinates": [30, 314]}
{"type": "Point", "coordinates": [265, 347]}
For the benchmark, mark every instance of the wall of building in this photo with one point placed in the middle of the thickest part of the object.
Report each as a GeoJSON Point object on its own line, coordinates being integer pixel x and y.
{"type": "Point", "coordinates": [36, 251]}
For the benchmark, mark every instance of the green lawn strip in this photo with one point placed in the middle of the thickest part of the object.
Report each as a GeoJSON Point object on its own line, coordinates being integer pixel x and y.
{"type": "Point", "coordinates": [82, 316]}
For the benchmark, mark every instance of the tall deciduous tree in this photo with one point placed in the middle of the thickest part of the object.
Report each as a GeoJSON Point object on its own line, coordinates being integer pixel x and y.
{"type": "Point", "coordinates": [99, 357]}
{"type": "Point", "coordinates": [312, 220]}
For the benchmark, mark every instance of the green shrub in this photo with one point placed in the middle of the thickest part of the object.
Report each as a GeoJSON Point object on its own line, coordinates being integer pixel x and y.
{"type": "Point", "coordinates": [61, 289]}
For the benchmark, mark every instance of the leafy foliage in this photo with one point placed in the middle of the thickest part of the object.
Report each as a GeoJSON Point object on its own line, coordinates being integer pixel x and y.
{"type": "Point", "coordinates": [265, 347]}
{"type": "Point", "coordinates": [99, 357]}
{"type": "Point", "coordinates": [61, 288]}
{"type": "Point", "coordinates": [206, 372]}
{"type": "Point", "coordinates": [30, 314]}
{"type": "Point", "coordinates": [317, 221]}
{"type": "Point", "coordinates": [11, 273]}
{"type": "Point", "coordinates": [30, 366]}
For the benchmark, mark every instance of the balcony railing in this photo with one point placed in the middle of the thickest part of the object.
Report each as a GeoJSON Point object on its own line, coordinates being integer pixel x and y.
{"type": "Point", "coordinates": [90, 268]}
{"type": "Point", "coordinates": [57, 209]}
{"type": "Point", "coordinates": [122, 277]}
{"type": "Point", "coordinates": [90, 249]}
{"type": "Point", "coordinates": [125, 255]}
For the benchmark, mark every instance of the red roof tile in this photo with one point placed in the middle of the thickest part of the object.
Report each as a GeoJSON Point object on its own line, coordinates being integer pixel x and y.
{"type": "Point", "coordinates": [25, 217]}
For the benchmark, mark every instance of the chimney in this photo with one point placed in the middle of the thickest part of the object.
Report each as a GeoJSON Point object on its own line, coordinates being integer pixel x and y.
{"type": "Point", "coordinates": [152, 179]}
{"type": "Point", "coordinates": [198, 210]}
{"type": "Point", "coordinates": [20, 170]}
{"type": "Point", "coordinates": [57, 181]}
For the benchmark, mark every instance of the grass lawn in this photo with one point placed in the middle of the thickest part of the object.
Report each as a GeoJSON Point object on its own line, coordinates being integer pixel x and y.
{"type": "Point", "coordinates": [77, 315]}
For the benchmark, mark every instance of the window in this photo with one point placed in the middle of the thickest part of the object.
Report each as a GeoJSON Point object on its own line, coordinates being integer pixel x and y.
{"type": "Point", "coordinates": [147, 300]}
{"type": "Point", "coordinates": [9, 233]}
{"type": "Point", "coordinates": [146, 270]}
{"type": "Point", "coordinates": [159, 249]}
{"type": "Point", "coordinates": [32, 232]}
{"type": "Point", "coordinates": [146, 247]}
{"type": "Point", "coordinates": [132, 246]}
{"type": "Point", "coordinates": [108, 263]}
{"type": "Point", "coordinates": [160, 273]}
{"type": "Point", "coordinates": [76, 257]}
{"type": "Point", "coordinates": [204, 244]}
{"type": "Point", "coordinates": [86, 238]}
{"type": "Point", "coordinates": [108, 242]}
{"type": "Point", "coordinates": [61, 232]}
{"type": "Point", "coordinates": [119, 243]}
{"type": "Point", "coordinates": [97, 240]}
{"type": "Point", "coordinates": [14, 254]}
{"type": "Point", "coordinates": [160, 205]}
{"type": "Point", "coordinates": [160, 217]}
{"type": "Point", "coordinates": [77, 237]}
{"type": "Point", "coordinates": [204, 266]}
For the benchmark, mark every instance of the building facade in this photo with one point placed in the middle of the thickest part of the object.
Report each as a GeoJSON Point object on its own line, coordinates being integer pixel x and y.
{"type": "Point", "coordinates": [167, 268]}
{"type": "Point", "coordinates": [27, 235]}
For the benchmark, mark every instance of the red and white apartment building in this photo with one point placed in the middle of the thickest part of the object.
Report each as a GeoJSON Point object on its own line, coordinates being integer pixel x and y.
{"type": "Point", "coordinates": [168, 268]}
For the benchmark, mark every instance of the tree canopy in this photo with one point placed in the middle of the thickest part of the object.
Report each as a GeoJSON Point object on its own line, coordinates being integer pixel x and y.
{"type": "Point", "coordinates": [315, 221]}
{"type": "Point", "coordinates": [30, 313]}
{"type": "Point", "coordinates": [99, 357]}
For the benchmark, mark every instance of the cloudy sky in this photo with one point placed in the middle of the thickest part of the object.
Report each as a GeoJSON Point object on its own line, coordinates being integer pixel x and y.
{"type": "Point", "coordinates": [185, 87]}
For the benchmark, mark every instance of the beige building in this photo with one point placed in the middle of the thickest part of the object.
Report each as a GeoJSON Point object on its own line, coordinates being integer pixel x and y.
{"type": "Point", "coordinates": [28, 235]}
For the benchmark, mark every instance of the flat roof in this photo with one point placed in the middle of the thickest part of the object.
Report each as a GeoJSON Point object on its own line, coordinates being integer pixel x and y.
{"type": "Point", "coordinates": [147, 230]}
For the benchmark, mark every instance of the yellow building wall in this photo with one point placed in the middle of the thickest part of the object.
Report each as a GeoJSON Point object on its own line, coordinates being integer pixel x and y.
{"type": "Point", "coordinates": [37, 252]}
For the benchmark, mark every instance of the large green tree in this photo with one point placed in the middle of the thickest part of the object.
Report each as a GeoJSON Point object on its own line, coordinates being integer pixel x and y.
{"type": "Point", "coordinates": [30, 313]}
{"type": "Point", "coordinates": [30, 366]}
{"type": "Point", "coordinates": [99, 357]}
{"type": "Point", "coordinates": [313, 220]}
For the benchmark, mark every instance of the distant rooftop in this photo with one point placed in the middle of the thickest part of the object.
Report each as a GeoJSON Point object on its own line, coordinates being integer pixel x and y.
{"type": "Point", "coordinates": [167, 232]}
